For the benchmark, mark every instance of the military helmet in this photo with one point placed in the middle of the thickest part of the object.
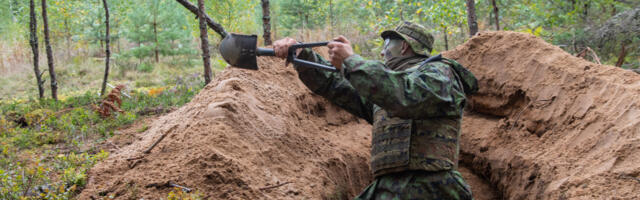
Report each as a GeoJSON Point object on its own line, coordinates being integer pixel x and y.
{"type": "Point", "coordinates": [420, 40]}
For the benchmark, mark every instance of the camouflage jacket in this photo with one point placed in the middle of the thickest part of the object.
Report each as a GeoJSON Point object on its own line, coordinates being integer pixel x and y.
{"type": "Point", "coordinates": [416, 112]}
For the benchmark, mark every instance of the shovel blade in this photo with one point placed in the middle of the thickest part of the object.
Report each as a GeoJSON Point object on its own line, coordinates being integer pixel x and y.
{"type": "Point", "coordinates": [240, 50]}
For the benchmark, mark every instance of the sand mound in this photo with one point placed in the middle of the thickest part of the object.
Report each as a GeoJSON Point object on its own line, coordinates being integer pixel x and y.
{"type": "Point", "coordinates": [547, 125]}
{"type": "Point", "coordinates": [544, 125]}
{"type": "Point", "coordinates": [246, 131]}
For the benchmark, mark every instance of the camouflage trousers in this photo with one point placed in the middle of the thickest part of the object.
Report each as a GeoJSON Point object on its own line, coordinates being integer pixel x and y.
{"type": "Point", "coordinates": [417, 185]}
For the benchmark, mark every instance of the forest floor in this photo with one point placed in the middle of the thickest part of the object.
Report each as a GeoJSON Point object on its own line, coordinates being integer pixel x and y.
{"type": "Point", "coordinates": [544, 125]}
{"type": "Point", "coordinates": [47, 146]}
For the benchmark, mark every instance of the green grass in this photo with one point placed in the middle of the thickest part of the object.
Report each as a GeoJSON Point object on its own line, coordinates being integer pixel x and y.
{"type": "Point", "coordinates": [50, 142]}
{"type": "Point", "coordinates": [47, 146]}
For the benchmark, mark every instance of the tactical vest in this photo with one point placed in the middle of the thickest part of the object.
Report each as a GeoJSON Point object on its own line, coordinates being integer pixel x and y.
{"type": "Point", "coordinates": [414, 144]}
{"type": "Point", "coordinates": [407, 144]}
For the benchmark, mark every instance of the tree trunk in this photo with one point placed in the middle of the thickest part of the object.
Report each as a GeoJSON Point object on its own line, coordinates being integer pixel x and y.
{"type": "Point", "coordinates": [67, 37]}
{"type": "Point", "coordinates": [306, 24]}
{"type": "Point", "coordinates": [490, 17]}
{"type": "Point", "coordinates": [496, 14]}
{"type": "Point", "coordinates": [212, 24]}
{"type": "Point", "coordinates": [446, 39]}
{"type": "Point", "coordinates": [331, 16]}
{"type": "Point", "coordinates": [471, 17]}
{"type": "Point", "coordinates": [107, 51]}
{"type": "Point", "coordinates": [401, 14]}
{"type": "Point", "coordinates": [52, 72]}
{"type": "Point", "coordinates": [585, 11]}
{"type": "Point", "coordinates": [302, 21]}
{"type": "Point", "coordinates": [266, 22]}
{"type": "Point", "coordinates": [461, 25]}
{"type": "Point", "coordinates": [13, 13]}
{"type": "Point", "coordinates": [33, 41]}
{"type": "Point", "coordinates": [155, 32]}
{"type": "Point", "coordinates": [623, 54]}
{"type": "Point", "coordinates": [204, 41]}
{"type": "Point", "coordinates": [275, 27]}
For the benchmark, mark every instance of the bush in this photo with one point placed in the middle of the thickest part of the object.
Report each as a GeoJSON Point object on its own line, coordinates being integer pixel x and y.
{"type": "Point", "coordinates": [145, 67]}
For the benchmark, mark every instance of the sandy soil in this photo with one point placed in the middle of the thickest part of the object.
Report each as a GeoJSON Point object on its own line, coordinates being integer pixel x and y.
{"type": "Point", "coordinates": [544, 125]}
{"type": "Point", "coordinates": [246, 131]}
{"type": "Point", "coordinates": [547, 125]}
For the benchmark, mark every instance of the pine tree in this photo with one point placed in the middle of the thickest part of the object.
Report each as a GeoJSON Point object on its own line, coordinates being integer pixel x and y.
{"type": "Point", "coordinates": [52, 72]}
{"type": "Point", "coordinates": [107, 50]}
{"type": "Point", "coordinates": [33, 41]}
{"type": "Point", "coordinates": [158, 29]}
{"type": "Point", "coordinates": [204, 41]}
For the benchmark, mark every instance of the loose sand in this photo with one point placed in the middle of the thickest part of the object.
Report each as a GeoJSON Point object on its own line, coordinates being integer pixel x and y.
{"type": "Point", "coordinates": [544, 125]}
{"type": "Point", "coordinates": [547, 125]}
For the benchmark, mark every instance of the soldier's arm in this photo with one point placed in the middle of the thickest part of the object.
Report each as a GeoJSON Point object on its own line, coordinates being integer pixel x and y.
{"type": "Point", "coordinates": [332, 86]}
{"type": "Point", "coordinates": [422, 92]}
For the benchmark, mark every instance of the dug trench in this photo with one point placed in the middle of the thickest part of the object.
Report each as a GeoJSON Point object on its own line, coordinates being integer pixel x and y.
{"type": "Point", "coordinates": [544, 125]}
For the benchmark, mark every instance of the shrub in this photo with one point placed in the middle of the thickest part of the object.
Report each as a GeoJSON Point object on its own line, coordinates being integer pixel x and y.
{"type": "Point", "coordinates": [145, 67]}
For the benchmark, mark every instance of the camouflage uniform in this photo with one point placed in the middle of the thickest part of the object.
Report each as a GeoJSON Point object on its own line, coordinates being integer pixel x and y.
{"type": "Point", "coordinates": [416, 112]}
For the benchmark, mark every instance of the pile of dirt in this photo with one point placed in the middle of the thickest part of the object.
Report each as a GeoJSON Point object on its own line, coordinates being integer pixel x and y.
{"type": "Point", "coordinates": [247, 135]}
{"type": "Point", "coordinates": [548, 125]}
{"type": "Point", "coordinates": [544, 125]}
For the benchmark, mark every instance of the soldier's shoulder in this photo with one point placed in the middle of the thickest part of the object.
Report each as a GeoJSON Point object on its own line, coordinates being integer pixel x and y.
{"type": "Point", "coordinates": [433, 67]}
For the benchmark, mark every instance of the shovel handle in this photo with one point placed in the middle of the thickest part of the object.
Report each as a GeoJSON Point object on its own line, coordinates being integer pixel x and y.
{"type": "Point", "coordinates": [307, 45]}
{"type": "Point", "coordinates": [270, 52]}
{"type": "Point", "coordinates": [292, 56]}
{"type": "Point", "coordinates": [305, 63]}
{"type": "Point", "coordinates": [265, 52]}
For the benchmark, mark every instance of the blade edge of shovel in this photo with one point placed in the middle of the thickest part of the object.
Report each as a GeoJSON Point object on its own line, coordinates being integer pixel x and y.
{"type": "Point", "coordinates": [240, 50]}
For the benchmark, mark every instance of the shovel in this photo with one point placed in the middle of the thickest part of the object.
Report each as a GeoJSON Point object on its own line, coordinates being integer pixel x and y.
{"type": "Point", "coordinates": [241, 51]}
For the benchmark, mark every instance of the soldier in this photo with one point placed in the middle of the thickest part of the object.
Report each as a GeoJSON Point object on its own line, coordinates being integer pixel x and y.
{"type": "Point", "coordinates": [415, 108]}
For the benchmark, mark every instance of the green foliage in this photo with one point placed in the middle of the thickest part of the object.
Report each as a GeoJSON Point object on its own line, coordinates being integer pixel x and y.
{"type": "Point", "coordinates": [156, 27]}
{"type": "Point", "coordinates": [145, 67]}
{"type": "Point", "coordinates": [13, 13]}
{"type": "Point", "coordinates": [27, 159]}
{"type": "Point", "coordinates": [237, 16]}
{"type": "Point", "coordinates": [32, 178]}
{"type": "Point", "coordinates": [302, 14]}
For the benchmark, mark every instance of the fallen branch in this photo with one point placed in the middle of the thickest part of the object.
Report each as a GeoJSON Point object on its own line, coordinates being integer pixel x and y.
{"type": "Point", "coordinates": [169, 184]}
{"type": "Point", "coordinates": [152, 146]}
{"type": "Point", "coordinates": [135, 158]}
{"type": "Point", "coordinates": [159, 139]}
{"type": "Point", "coordinates": [630, 177]}
{"type": "Point", "coordinates": [583, 54]}
{"type": "Point", "coordinates": [275, 186]}
{"type": "Point", "coordinates": [112, 188]}
{"type": "Point", "coordinates": [114, 145]}
{"type": "Point", "coordinates": [153, 111]}
{"type": "Point", "coordinates": [134, 164]}
{"type": "Point", "coordinates": [155, 143]}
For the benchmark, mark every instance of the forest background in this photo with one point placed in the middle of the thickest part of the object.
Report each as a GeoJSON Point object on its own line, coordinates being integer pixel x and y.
{"type": "Point", "coordinates": [47, 145]}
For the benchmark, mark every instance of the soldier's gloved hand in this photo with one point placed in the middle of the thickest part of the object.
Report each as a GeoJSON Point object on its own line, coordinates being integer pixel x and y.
{"type": "Point", "coordinates": [281, 46]}
{"type": "Point", "coordinates": [339, 50]}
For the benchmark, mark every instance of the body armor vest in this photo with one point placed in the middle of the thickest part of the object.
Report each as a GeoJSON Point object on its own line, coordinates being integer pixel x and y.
{"type": "Point", "coordinates": [410, 144]}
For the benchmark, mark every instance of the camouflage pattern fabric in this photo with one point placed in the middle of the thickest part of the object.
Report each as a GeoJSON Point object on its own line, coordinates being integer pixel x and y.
{"type": "Point", "coordinates": [418, 185]}
{"type": "Point", "coordinates": [416, 110]}
{"type": "Point", "coordinates": [418, 37]}
{"type": "Point", "coordinates": [420, 92]}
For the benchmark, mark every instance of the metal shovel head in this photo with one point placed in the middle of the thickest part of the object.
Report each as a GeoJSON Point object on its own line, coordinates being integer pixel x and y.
{"type": "Point", "coordinates": [240, 50]}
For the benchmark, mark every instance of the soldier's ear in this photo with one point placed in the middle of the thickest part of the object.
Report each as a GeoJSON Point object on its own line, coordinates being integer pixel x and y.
{"type": "Point", "coordinates": [406, 48]}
